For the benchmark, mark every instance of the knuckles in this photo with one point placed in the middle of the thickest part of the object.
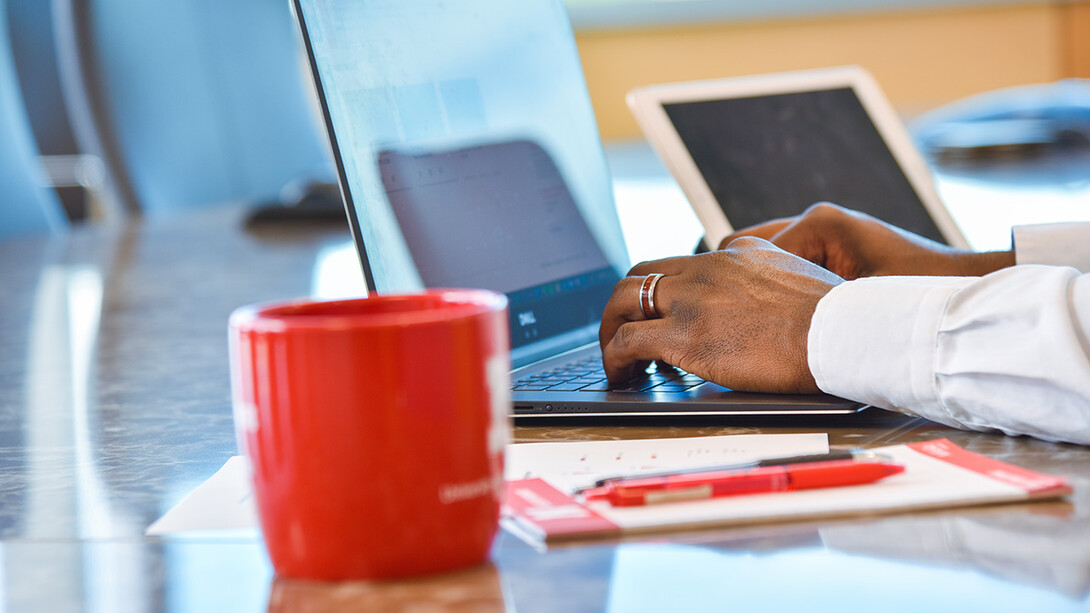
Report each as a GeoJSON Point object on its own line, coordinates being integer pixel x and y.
{"type": "Point", "coordinates": [823, 209]}
{"type": "Point", "coordinates": [622, 339]}
{"type": "Point", "coordinates": [747, 242]}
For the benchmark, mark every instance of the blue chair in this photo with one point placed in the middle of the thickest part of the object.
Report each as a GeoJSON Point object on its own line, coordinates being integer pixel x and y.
{"type": "Point", "coordinates": [25, 206]}
{"type": "Point", "coordinates": [190, 102]}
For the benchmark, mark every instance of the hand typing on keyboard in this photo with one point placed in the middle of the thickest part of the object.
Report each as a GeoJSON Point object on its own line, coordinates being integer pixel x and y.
{"type": "Point", "coordinates": [588, 376]}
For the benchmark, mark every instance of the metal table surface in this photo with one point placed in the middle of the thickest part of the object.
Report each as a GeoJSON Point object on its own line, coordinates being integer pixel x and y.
{"type": "Point", "coordinates": [115, 403]}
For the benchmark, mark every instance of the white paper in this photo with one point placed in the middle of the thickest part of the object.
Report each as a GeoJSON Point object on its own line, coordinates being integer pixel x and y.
{"type": "Point", "coordinates": [573, 465]}
{"type": "Point", "coordinates": [225, 501]}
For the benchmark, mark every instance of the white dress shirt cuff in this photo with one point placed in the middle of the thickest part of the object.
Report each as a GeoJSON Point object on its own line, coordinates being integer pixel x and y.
{"type": "Point", "coordinates": [1055, 244]}
{"type": "Point", "coordinates": [861, 348]}
{"type": "Point", "coordinates": [1009, 351]}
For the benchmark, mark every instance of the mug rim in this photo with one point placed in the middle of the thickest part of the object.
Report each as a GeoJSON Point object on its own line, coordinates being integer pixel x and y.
{"type": "Point", "coordinates": [451, 303]}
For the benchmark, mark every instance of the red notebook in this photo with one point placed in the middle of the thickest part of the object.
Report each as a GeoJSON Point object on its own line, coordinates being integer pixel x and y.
{"type": "Point", "coordinates": [938, 474]}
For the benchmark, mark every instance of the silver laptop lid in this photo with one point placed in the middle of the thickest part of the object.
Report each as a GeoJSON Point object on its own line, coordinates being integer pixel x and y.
{"type": "Point", "coordinates": [469, 156]}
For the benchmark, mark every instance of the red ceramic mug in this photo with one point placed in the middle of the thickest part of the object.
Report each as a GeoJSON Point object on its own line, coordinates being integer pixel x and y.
{"type": "Point", "coordinates": [375, 429]}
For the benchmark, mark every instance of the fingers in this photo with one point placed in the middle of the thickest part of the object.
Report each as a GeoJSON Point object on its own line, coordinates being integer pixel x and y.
{"type": "Point", "coordinates": [802, 240]}
{"type": "Point", "coordinates": [765, 230]}
{"type": "Point", "coordinates": [624, 304]}
{"type": "Point", "coordinates": [624, 316]}
{"type": "Point", "coordinates": [805, 235]}
{"type": "Point", "coordinates": [815, 216]}
{"type": "Point", "coordinates": [623, 307]}
{"type": "Point", "coordinates": [633, 346]}
{"type": "Point", "coordinates": [828, 235]}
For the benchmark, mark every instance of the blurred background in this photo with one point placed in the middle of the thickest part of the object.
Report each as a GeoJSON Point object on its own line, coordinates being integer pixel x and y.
{"type": "Point", "coordinates": [924, 53]}
{"type": "Point", "coordinates": [138, 108]}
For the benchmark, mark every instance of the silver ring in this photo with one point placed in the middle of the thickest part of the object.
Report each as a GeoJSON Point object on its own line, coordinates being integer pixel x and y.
{"type": "Point", "coordinates": [647, 296]}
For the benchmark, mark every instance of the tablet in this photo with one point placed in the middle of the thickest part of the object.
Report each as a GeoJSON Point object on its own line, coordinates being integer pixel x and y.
{"type": "Point", "coordinates": [749, 149]}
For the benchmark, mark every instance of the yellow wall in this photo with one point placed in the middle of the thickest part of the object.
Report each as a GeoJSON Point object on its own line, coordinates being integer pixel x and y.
{"type": "Point", "coordinates": [1076, 39]}
{"type": "Point", "coordinates": [922, 59]}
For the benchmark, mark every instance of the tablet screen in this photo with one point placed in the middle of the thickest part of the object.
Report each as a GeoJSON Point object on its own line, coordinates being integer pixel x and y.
{"type": "Point", "coordinates": [772, 156]}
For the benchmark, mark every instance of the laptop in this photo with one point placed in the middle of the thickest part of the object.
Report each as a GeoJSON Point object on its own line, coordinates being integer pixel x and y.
{"type": "Point", "coordinates": [468, 156]}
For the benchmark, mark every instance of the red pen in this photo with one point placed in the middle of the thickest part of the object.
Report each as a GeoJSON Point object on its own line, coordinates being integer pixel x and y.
{"type": "Point", "coordinates": [697, 486]}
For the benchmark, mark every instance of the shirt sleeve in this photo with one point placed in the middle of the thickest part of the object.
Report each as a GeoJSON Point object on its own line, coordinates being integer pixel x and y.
{"type": "Point", "coordinates": [1055, 244]}
{"type": "Point", "coordinates": [1008, 352]}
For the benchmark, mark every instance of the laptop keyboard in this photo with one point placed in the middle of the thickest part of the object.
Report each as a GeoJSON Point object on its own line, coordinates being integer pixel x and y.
{"type": "Point", "coordinates": [587, 376]}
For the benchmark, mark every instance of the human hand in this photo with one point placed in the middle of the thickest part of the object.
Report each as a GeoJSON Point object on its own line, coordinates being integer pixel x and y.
{"type": "Point", "coordinates": [853, 244]}
{"type": "Point", "coordinates": [737, 317]}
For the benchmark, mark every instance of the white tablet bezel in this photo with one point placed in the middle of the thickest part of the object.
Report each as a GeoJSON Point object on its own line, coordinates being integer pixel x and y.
{"type": "Point", "coordinates": [647, 105]}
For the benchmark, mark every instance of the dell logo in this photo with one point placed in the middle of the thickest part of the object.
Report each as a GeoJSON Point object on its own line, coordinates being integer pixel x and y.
{"type": "Point", "coordinates": [527, 318]}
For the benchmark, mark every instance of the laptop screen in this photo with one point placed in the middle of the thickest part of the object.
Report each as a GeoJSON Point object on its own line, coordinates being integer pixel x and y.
{"type": "Point", "coordinates": [469, 156]}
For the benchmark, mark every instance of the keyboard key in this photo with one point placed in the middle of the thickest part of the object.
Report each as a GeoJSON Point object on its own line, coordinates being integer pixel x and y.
{"type": "Point", "coordinates": [670, 387]}
{"type": "Point", "coordinates": [629, 386]}
{"type": "Point", "coordinates": [566, 387]}
{"type": "Point", "coordinates": [588, 376]}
